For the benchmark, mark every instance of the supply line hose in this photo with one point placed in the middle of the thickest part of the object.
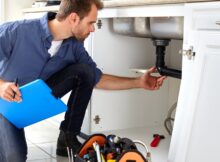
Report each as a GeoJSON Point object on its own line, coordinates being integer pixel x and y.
{"type": "Point", "coordinates": [148, 155]}
{"type": "Point", "coordinates": [167, 123]}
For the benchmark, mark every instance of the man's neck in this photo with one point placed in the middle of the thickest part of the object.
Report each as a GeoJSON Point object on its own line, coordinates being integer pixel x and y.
{"type": "Point", "coordinates": [58, 29]}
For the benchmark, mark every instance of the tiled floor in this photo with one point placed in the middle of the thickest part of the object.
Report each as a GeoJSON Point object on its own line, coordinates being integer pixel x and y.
{"type": "Point", "coordinates": [41, 140]}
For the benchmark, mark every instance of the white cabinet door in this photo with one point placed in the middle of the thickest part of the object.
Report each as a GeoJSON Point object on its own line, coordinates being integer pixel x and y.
{"type": "Point", "coordinates": [197, 130]}
{"type": "Point", "coordinates": [203, 144]}
{"type": "Point", "coordinates": [183, 111]}
{"type": "Point", "coordinates": [200, 126]}
{"type": "Point", "coordinates": [197, 119]}
{"type": "Point", "coordinates": [188, 65]}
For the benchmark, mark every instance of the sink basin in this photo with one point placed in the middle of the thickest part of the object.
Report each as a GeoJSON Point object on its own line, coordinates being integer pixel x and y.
{"type": "Point", "coordinates": [166, 27]}
{"type": "Point", "coordinates": [136, 27]}
{"type": "Point", "coordinates": [150, 27]}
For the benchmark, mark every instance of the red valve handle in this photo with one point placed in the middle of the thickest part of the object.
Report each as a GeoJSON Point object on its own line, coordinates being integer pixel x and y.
{"type": "Point", "coordinates": [155, 141]}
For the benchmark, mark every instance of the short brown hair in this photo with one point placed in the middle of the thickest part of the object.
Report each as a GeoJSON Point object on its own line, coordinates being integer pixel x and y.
{"type": "Point", "coordinates": [81, 7]}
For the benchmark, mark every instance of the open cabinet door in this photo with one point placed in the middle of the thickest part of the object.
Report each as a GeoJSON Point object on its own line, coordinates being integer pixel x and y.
{"type": "Point", "coordinates": [202, 144]}
{"type": "Point", "coordinates": [196, 127]}
{"type": "Point", "coordinates": [198, 119]}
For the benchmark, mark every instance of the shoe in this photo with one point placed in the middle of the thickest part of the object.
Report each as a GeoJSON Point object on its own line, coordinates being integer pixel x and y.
{"type": "Point", "coordinates": [67, 140]}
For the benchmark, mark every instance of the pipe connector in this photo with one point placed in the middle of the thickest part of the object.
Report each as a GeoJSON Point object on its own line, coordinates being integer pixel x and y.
{"type": "Point", "coordinates": [160, 59]}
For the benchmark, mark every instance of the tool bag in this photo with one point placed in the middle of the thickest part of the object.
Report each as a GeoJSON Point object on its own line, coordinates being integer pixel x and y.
{"type": "Point", "coordinates": [111, 148]}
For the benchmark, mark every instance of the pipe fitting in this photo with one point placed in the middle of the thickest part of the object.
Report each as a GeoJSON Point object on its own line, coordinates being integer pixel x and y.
{"type": "Point", "coordinates": [160, 59]}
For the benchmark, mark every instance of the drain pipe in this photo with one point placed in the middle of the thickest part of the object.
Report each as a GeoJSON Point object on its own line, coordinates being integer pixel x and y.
{"type": "Point", "coordinates": [160, 45]}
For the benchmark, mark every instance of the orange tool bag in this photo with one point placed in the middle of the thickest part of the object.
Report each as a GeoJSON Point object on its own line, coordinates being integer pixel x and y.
{"type": "Point", "coordinates": [111, 148]}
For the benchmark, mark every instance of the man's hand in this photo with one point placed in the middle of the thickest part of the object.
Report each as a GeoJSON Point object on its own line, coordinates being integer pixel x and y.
{"type": "Point", "coordinates": [9, 91]}
{"type": "Point", "coordinates": [150, 82]}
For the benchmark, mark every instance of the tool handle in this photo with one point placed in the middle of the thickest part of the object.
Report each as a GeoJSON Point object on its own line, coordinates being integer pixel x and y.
{"type": "Point", "coordinates": [155, 141]}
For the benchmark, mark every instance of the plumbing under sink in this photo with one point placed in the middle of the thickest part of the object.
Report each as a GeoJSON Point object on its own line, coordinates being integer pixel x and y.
{"type": "Point", "coordinates": [150, 27]}
{"type": "Point", "coordinates": [160, 29]}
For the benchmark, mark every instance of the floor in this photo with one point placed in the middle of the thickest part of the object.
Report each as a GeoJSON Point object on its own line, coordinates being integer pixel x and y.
{"type": "Point", "coordinates": [41, 140]}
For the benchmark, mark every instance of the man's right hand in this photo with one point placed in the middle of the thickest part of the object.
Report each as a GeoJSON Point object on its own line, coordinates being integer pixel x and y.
{"type": "Point", "coordinates": [9, 91]}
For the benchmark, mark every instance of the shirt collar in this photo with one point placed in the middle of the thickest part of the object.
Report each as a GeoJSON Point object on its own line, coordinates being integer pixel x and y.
{"type": "Point", "coordinates": [46, 34]}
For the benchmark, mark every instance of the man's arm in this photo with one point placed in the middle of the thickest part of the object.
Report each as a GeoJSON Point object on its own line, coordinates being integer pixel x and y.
{"type": "Point", "coordinates": [8, 37]}
{"type": "Point", "coordinates": [146, 81]}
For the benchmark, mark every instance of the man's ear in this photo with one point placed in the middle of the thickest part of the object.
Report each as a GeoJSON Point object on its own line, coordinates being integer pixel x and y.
{"type": "Point", "coordinates": [74, 18]}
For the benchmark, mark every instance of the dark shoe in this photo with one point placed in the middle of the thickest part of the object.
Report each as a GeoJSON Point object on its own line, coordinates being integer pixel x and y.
{"type": "Point", "coordinates": [67, 140]}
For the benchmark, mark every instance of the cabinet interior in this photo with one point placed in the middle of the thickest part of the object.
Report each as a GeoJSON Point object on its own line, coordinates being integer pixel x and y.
{"type": "Point", "coordinates": [133, 113]}
{"type": "Point", "coordinates": [119, 54]}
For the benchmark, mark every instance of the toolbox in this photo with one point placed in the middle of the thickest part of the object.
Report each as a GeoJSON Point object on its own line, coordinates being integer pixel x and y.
{"type": "Point", "coordinates": [111, 148]}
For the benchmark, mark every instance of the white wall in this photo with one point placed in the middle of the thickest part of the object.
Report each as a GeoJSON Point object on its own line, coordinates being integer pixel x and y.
{"type": "Point", "coordinates": [13, 8]}
{"type": "Point", "coordinates": [2, 11]}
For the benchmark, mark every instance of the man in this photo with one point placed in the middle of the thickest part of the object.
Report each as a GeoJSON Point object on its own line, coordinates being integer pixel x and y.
{"type": "Point", "coordinates": [51, 48]}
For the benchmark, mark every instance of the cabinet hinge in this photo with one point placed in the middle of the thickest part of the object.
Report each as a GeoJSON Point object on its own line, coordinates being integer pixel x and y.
{"type": "Point", "coordinates": [97, 119]}
{"type": "Point", "coordinates": [189, 53]}
{"type": "Point", "coordinates": [99, 24]}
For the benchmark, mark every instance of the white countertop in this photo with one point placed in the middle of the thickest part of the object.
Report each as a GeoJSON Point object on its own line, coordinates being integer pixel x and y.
{"type": "Point", "coordinates": [121, 3]}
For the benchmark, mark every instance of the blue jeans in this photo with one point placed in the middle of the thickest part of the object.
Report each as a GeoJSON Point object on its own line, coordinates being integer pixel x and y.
{"type": "Point", "coordinates": [13, 147]}
{"type": "Point", "coordinates": [80, 80]}
{"type": "Point", "coordinates": [77, 78]}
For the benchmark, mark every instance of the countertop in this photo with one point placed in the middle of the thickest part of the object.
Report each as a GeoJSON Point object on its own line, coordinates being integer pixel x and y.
{"type": "Point", "coordinates": [121, 3]}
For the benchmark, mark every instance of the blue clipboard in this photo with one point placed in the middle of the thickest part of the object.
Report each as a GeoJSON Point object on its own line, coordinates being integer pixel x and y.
{"type": "Point", "coordinates": [37, 104]}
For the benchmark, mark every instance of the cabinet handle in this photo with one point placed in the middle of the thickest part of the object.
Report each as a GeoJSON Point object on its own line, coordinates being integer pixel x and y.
{"type": "Point", "coordinates": [217, 22]}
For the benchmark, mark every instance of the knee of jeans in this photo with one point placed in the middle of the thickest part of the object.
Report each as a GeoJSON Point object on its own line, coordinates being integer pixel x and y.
{"type": "Point", "coordinates": [87, 74]}
{"type": "Point", "coordinates": [16, 157]}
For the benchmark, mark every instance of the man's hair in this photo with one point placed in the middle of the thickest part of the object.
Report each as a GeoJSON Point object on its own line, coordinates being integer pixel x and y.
{"type": "Point", "coordinates": [81, 7]}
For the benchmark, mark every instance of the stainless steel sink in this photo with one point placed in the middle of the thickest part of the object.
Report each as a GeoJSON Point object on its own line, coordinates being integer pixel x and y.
{"type": "Point", "coordinates": [136, 27]}
{"type": "Point", "coordinates": [150, 27]}
{"type": "Point", "coordinates": [166, 27]}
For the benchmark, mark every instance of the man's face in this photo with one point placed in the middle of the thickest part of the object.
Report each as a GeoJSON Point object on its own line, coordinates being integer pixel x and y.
{"type": "Point", "coordinates": [86, 25]}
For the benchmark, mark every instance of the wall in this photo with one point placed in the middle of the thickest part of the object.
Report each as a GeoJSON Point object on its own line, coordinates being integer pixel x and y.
{"type": "Point", "coordinates": [2, 11]}
{"type": "Point", "coordinates": [13, 9]}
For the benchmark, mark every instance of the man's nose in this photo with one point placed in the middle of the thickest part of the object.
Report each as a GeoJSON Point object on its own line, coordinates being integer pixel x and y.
{"type": "Point", "coordinates": [92, 28]}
